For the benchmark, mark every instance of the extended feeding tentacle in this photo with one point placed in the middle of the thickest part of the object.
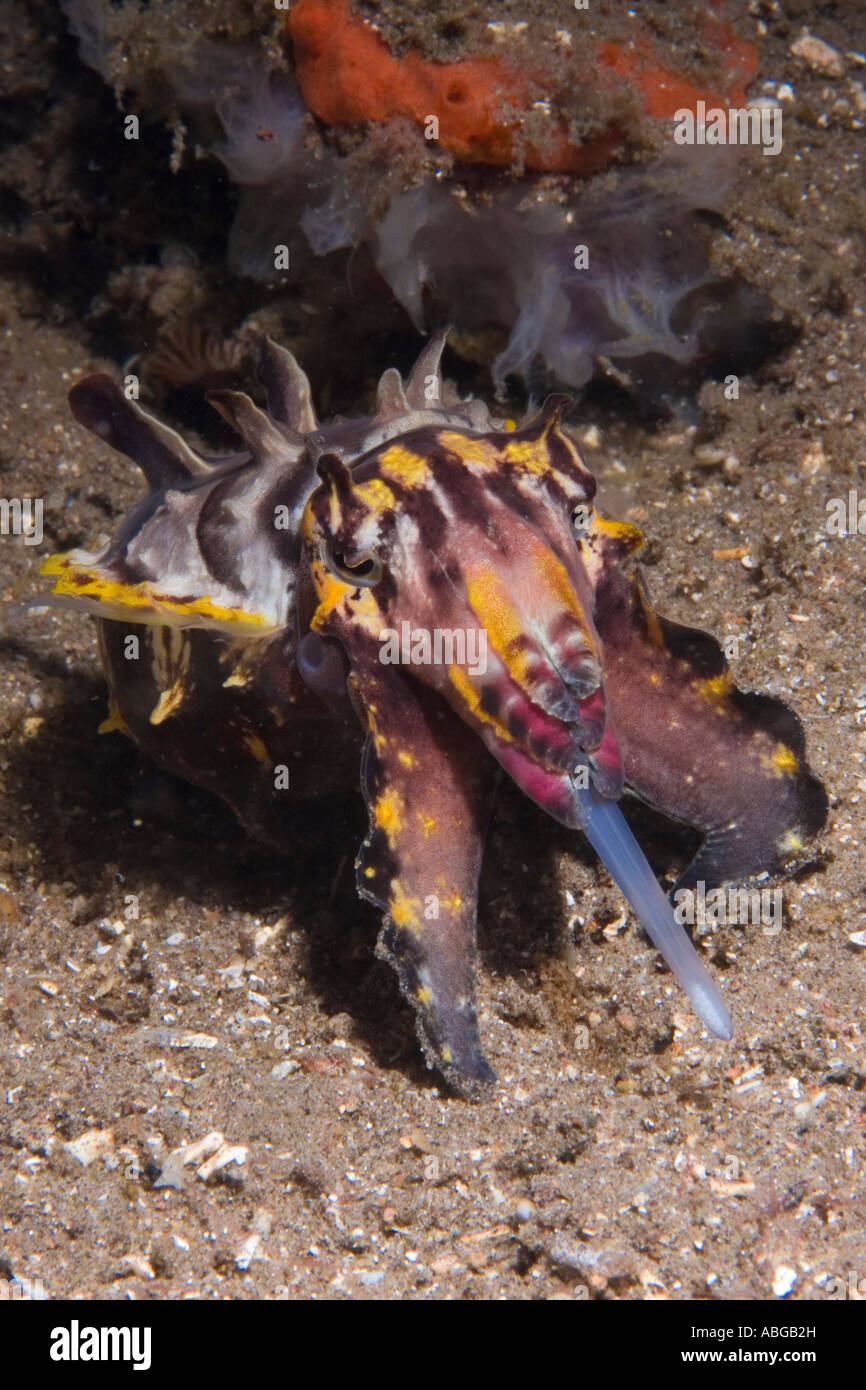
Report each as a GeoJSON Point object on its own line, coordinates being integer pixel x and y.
{"type": "Point", "coordinates": [608, 832]}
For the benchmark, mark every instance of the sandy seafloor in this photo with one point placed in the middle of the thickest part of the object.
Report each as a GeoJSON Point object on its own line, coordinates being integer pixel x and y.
{"type": "Point", "coordinates": [245, 998]}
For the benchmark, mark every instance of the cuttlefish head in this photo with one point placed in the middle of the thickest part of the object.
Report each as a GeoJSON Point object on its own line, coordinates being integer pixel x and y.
{"type": "Point", "coordinates": [456, 557]}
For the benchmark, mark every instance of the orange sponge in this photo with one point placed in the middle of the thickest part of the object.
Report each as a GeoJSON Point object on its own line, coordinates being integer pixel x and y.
{"type": "Point", "coordinates": [348, 76]}
{"type": "Point", "coordinates": [665, 92]}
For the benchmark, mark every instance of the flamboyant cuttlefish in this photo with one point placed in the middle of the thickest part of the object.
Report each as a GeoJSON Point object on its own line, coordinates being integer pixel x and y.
{"type": "Point", "coordinates": [448, 576]}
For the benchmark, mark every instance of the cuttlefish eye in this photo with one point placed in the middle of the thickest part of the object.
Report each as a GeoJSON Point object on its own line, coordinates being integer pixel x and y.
{"type": "Point", "coordinates": [365, 570]}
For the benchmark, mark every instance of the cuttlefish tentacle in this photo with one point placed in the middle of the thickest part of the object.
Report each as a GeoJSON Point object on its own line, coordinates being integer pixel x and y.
{"type": "Point", "coordinates": [608, 832]}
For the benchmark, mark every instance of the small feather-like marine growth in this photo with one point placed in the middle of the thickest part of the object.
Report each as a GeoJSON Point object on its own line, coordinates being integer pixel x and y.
{"type": "Point", "coordinates": [421, 568]}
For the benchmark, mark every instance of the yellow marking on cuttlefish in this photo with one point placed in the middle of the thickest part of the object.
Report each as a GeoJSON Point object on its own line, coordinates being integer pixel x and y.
{"type": "Point", "coordinates": [334, 513]}
{"type": "Point", "coordinates": [170, 666]}
{"type": "Point", "coordinates": [329, 590]}
{"type": "Point", "coordinates": [631, 538]}
{"type": "Point", "coordinates": [257, 747]}
{"type": "Point", "coordinates": [402, 910]}
{"type": "Point", "coordinates": [406, 759]}
{"type": "Point", "coordinates": [242, 658]}
{"type": "Point", "coordinates": [555, 578]}
{"type": "Point", "coordinates": [478, 451]}
{"type": "Point", "coordinates": [428, 823]}
{"type": "Point", "coordinates": [168, 703]}
{"type": "Point", "coordinates": [529, 454]}
{"type": "Point", "coordinates": [784, 761]}
{"type": "Point", "coordinates": [497, 614]}
{"type": "Point", "coordinates": [651, 618]}
{"type": "Point", "coordinates": [377, 495]}
{"type": "Point", "coordinates": [716, 690]}
{"type": "Point", "coordinates": [424, 995]}
{"type": "Point", "coordinates": [380, 742]}
{"type": "Point", "coordinates": [114, 721]}
{"type": "Point", "coordinates": [504, 626]}
{"type": "Point", "coordinates": [74, 580]}
{"type": "Point", "coordinates": [405, 467]}
{"type": "Point", "coordinates": [466, 689]}
{"type": "Point", "coordinates": [332, 592]}
{"type": "Point", "coordinates": [388, 814]}
{"type": "Point", "coordinates": [791, 843]}
{"type": "Point", "coordinates": [452, 903]}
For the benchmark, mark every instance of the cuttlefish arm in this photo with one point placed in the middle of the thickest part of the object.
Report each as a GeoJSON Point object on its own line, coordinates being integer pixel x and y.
{"type": "Point", "coordinates": [428, 785]}
{"type": "Point", "coordinates": [730, 762]}
{"type": "Point", "coordinates": [427, 782]}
